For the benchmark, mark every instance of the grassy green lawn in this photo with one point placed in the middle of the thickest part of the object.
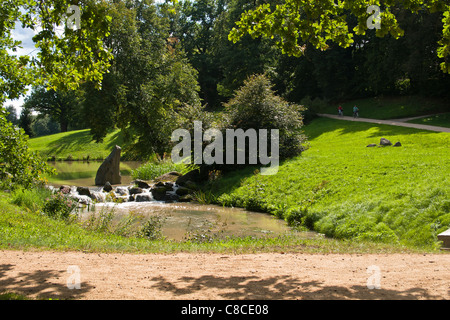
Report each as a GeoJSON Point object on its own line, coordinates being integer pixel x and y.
{"type": "Point", "coordinates": [345, 190]}
{"type": "Point", "coordinates": [440, 120]}
{"type": "Point", "coordinates": [390, 107]}
{"type": "Point", "coordinates": [75, 145]}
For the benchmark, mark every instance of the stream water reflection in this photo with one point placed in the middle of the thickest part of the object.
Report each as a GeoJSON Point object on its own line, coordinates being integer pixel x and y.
{"type": "Point", "coordinates": [81, 173]}
{"type": "Point", "coordinates": [180, 220]}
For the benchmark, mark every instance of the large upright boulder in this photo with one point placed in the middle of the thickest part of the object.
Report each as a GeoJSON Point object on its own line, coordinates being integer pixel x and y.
{"type": "Point", "coordinates": [109, 170]}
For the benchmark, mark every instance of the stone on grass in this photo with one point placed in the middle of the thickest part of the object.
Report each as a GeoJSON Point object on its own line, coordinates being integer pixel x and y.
{"type": "Point", "coordinates": [385, 142]}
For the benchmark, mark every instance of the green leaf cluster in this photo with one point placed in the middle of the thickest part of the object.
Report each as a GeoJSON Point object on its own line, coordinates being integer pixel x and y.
{"type": "Point", "coordinates": [64, 60]}
{"type": "Point", "coordinates": [295, 23]}
{"type": "Point", "coordinates": [256, 106]}
{"type": "Point", "coordinates": [18, 165]}
{"type": "Point", "coordinates": [151, 88]}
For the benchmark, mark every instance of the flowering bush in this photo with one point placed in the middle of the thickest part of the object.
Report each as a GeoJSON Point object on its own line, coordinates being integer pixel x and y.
{"type": "Point", "coordinates": [59, 207]}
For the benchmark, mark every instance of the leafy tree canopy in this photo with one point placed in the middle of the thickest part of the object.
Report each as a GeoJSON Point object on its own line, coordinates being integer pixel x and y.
{"type": "Point", "coordinates": [60, 105]}
{"type": "Point", "coordinates": [294, 23]}
{"type": "Point", "coordinates": [65, 58]}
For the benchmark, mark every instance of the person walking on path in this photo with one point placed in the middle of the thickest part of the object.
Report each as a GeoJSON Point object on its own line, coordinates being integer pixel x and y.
{"type": "Point", "coordinates": [355, 112]}
{"type": "Point", "coordinates": [341, 111]}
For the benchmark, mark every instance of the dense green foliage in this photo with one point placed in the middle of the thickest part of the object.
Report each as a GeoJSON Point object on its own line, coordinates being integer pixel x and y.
{"type": "Point", "coordinates": [18, 164]}
{"type": "Point", "coordinates": [256, 106]}
{"type": "Point", "coordinates": [57, 206]}
{"type": "Point", "coordinates": [156, 168]}
{"type": "Point", "coordinates": [371, 65]}
{"type": "Point", "coordinates": [63, 61]}
{"type": "Point", "coordinates": [151, 86]}
{"type": "Point", "coordinates": [293, 23]}
{"type": "Point", "coordinates": [171, 58]}
{"type": "Point", "coordinates": [61, 106]}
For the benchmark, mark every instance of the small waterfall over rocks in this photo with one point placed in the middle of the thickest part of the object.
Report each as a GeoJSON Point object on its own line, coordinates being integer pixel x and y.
{"type": "Point", "coordinates": [138, 191]}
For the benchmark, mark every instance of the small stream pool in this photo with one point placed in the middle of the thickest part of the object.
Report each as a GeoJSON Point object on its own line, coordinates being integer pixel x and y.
{"type": "Point", "coordinates": [179, 220]}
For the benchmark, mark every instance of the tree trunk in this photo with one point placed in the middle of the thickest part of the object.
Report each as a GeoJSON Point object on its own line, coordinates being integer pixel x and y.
{"type": "Point", "coordinates": [64, 126]}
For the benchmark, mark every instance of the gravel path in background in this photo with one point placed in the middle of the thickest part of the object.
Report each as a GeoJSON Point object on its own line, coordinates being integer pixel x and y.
{"type": "Point", "coordinates": [397, 122]}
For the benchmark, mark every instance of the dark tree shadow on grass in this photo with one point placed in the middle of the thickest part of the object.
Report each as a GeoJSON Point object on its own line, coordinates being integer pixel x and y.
{"type": "Point", "coordinates": [40, 284]}
{"type": "Point", "coordinates": [70, 141]}
{"type": "Point", "coordinates": [283, 288]}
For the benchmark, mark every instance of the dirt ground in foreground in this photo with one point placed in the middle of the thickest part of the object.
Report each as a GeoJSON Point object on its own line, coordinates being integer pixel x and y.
{"type": "Point", "coordinates": [266, 276]}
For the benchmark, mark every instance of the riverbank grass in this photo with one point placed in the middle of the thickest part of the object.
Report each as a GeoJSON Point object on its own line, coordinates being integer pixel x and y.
{"type": "Point", "coordinates": [24, 229]}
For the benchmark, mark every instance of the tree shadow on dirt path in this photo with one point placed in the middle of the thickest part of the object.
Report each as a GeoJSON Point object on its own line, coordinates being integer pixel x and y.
{"type": "Point", "coordinates": [279, 288]}
{"type": "Point", "coordinates": [42, 284]}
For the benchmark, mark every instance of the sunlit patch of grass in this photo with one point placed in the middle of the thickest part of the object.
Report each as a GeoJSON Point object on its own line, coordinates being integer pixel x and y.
{"type": "Point", "coordinates": [76, 145]}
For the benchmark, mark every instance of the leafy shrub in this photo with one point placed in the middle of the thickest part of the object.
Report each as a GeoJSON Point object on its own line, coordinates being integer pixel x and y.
{"type": "Point", "coordinates": [256, 106]}
{"type": "Point", "coordinates": [59, 206]}
{"type": "Point", "coordinates": [18, 165]}
{"type": "Point", "coordinates": [152, 228]}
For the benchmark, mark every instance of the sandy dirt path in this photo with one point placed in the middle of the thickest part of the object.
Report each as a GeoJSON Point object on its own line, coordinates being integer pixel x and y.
{"type": "Point", "coordinates": [182, 276]}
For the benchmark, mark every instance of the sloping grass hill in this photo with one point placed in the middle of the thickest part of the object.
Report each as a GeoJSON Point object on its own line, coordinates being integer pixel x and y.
{"type": "Point", "coordinates": [75, 145]}
{"type": "Point", "coordinates": [346, 190]}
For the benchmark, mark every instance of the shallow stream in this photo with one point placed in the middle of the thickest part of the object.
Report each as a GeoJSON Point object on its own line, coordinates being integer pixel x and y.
{"type": "Point", "coordinates": [179, 220]}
